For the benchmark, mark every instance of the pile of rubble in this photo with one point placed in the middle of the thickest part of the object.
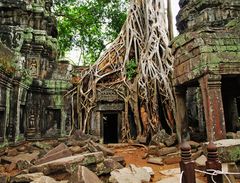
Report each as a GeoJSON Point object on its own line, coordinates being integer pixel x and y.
{"type": "Point", "coordinates": [77, 159]}
{"type": "Point", "coordinates": [81, 158]}
{"type": "Point", "coordinates": [164, 149]}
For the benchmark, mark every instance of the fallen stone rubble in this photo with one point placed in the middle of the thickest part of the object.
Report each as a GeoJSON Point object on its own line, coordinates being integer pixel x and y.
{"type": "Point", "coordinates": [80, 158]}
{"type": "Point", "coordinates": [76, 159]}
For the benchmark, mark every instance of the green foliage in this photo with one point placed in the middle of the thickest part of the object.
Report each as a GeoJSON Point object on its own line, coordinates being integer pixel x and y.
{"type": "Point", "coordinates": [89, 24]}
{"type": "Point", "coordinates": [131, 67]}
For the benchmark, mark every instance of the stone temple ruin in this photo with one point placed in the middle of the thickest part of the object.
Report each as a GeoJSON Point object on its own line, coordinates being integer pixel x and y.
{"type": "Point", "coordinates": [207, 67]}
{"type": "Point", "coordinates": [33, 82]}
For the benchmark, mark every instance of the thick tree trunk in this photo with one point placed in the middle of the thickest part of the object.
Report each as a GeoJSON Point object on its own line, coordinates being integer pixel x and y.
{"type": "Point", "coordinates": [143, 41]}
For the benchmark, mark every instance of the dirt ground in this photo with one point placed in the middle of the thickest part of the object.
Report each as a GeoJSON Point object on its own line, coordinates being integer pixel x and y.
{"type": "Point", "coordinates": [135, 155]}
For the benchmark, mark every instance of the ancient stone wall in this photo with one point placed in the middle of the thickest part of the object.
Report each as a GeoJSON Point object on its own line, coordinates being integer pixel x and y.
{"type": "Point", "coordinates": [33, 82]}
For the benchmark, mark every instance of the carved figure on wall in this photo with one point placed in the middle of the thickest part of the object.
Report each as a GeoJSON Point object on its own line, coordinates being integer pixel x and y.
{"type": "Point", "coordinates": [33, 66]}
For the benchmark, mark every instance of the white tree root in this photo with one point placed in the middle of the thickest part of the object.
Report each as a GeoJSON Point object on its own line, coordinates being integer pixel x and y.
{"type": "Point", "coordinates": [144, 40]}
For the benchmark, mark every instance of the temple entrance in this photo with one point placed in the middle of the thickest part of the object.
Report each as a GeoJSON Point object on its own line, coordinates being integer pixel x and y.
{"type": "Point", "coordinates": [2, 121]}
{"type": "Point", "coordinates": [53, 121]}
{"type": "Point", "coordinates": [110, 127]}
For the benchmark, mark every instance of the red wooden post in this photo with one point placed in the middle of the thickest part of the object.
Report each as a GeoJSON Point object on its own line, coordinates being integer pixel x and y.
{"type": "Point", "coordinates": [187, 165]}
{"type": "Point", "coordinates": [213, 163]}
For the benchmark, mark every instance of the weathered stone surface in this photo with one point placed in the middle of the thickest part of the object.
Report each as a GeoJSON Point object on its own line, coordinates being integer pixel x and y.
{"type": "Point", "coordinates": [62, 153]}
{"type": "Point", "coordinates": [79, 135]}
{"type": "Point", "coordinates": [154, 150]}
{"type": "Point", "coordinates": [201, 161]}
{"type": "Point", "coordinates": [155, 160]}
{"type": "Point", "coordinates": [42, 145]}
{"type": "Point", "coordinates": [168, 160]}
{"type": "Point", "coordinates": [22, 148]}
{"type": "Point", "coordinates": [76, 149]}
{"type": "Point", "coordinates": [119, 159]}
{"type": "Point", "coordinates": [105, 167]}
{"type": "Point", "coordinates": [46, 179]}
{"type": "Point", "coordinates": [11, 167]}
{"type": "Point", "coordinates": [26, 177]}
{"type": "Point", "coordinates": [170, 172]}
{"type": "Point", "coordinates": [106, 151]}
{"type": "Point", "coordinates": [159, 137]}
{"type": "Point", "coordinates": [132, 174]}
{"type": "Point", "coordinates": [23, 164]}
{"type": "Point", "coordinates": [149, 170]}
{"type": "Point", "coordinates": [58, 148]}
{"type": "Point", "coordinates": [167, 150]}
{"type": "Point", "coordinates": [12, 152]}
{"type": "Point", "coordinates": [24, 157]}
{"type": "Point", "coordinates": [112, 164]}
{"type": "Point", "coordinates": [171, 140]}
{"type": "Point", "coordinates": [228, 150]}
{"type": "Point", "coordinates": [84, 175]}
{"type": "Point", "coordinates": [65, 164]}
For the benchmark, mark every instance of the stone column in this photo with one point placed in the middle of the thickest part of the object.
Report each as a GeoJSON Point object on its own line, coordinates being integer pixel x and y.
{"type": "Point", "coordinates": [181, 113]}
{"type": "Point", "coordinates": [213, 106]}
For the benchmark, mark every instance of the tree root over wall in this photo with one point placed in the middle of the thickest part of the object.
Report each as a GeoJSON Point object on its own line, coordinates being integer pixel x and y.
{"type": "Point", "coordinates": [138, 67]}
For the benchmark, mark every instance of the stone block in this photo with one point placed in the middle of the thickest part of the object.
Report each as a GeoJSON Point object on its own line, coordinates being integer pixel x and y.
{"type": "Point", "coordinates": [167, 150]}
{"type": "Point", "coordinates": [171, 140]}
{"type": "Point", "coordinates": [12, 152]}
{"type": "Point", "coordinates": [201, 161]}
{"type": "Point", "coordinates": [23, 164]}
{"type": "Point", "coordinates": [58, 148]}
{"type": "Point", "coordinates": [131, 174]}
{"type": "Point", "coordinates": [168, 160]}
{"type": "Point", "coordinates": [155, 160]}
{"type": "Point", "coordinates": [61, 154]}
{"type": "Point", "coordinates": [68, 163]}
{"type": "Point", "coordinates": [119, 159]}
{"type": "Point", "coordinates": [26, 177]}
{"type": "Point", "coordinates": [84, 175]}
{"type": "Point", "coordinates": [76, 149]}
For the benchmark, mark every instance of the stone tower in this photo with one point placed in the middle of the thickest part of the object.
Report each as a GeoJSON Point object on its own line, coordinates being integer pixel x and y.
{"type": "Point", "coordinates": [207, 53]}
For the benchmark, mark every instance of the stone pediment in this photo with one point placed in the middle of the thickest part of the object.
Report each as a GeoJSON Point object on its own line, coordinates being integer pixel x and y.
{"type": "Point", "coordinates": [108, 95]}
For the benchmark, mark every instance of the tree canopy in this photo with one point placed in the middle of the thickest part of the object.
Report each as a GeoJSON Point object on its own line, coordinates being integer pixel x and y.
{"type": "Point", "coordinates": [89, 24]}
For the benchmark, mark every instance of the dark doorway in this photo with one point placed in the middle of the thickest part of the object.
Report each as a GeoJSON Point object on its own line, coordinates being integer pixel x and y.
{"type": "Point", "coordinates": [2, 121]}
{"type": "Point", "coordinates": [22, 119]}
{"type": "Point", "coordinates": [110, 128]}
{"type": "Point", "coordinates": [53, 120]}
